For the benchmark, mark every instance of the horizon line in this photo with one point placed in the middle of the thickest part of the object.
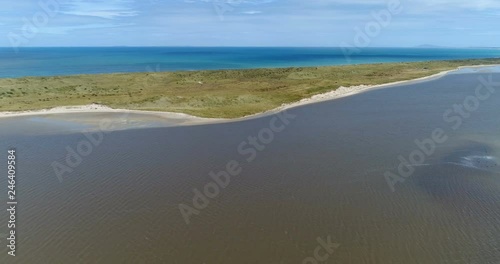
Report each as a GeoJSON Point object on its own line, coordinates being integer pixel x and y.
{"type": "Point", "coordinates": [201, 46]}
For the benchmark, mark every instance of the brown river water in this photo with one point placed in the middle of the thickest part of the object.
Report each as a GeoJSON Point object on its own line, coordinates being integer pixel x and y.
{"type": "Point", "coordinates": [306, 186]}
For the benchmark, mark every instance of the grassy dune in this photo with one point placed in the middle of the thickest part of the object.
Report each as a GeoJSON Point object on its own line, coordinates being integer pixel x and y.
{"type": "Point", "coordinates": [221, 93]}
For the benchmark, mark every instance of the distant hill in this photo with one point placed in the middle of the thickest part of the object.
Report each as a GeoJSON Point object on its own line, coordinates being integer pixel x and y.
{"type": "Point", "coordinates": [428, 46]}
{"type": "Point", "coordinates": [485, 47]}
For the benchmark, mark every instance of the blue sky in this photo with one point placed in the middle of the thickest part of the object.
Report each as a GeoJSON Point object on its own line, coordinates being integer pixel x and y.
{"type": "Point", "coordinates": [458, 23]}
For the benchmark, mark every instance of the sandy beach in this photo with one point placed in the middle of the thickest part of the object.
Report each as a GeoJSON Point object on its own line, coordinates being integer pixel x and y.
{"type": "Point", "coordinates": [352, 90]}
{"type": "Point", "coordinates": [97, 108]}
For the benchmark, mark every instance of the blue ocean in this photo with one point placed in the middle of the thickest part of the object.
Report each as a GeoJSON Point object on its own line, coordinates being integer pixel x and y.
{"type": "Point", "coordinates": [91, 60]}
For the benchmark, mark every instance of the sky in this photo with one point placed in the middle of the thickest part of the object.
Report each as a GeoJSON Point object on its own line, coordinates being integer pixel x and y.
{"type": "Point", "coordinates": [324, 23]}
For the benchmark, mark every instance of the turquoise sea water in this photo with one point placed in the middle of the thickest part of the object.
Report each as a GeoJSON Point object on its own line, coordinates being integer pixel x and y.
{"type": "Point", "coordinates": [70, 61]}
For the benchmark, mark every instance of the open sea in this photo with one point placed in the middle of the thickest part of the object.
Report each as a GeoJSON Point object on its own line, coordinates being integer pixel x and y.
{"type": "Point", "coordinates": [71, 61]}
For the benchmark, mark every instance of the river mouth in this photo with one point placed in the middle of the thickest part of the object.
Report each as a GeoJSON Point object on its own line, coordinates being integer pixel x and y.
{"type": "Point", "coordinates": [319, 175]}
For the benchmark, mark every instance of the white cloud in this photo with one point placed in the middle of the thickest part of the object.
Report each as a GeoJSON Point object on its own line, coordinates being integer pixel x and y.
{"type": "Point", "coordinates": [61, 30]}
{"type": "Point", "coordinates": [252, 12]}
{"type": "Point", "coordinates": [411, 6]}
{"type": "Point", "coordinates": [100, 8]}
{"type": "Point", "coordinates": [232, 2]}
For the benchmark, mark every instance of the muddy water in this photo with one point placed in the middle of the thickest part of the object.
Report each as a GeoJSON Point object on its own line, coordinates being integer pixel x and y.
{"type": "Point", "coordinates": [321, 177]}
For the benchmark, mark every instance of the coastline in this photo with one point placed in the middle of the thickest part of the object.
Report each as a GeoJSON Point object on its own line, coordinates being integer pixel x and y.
{"type": "Point", "coordinates": [352, 90]}
{"type": "Point", "coordinates": [190, 119]}
{"type": "Point", "coordinates": [97, 108]}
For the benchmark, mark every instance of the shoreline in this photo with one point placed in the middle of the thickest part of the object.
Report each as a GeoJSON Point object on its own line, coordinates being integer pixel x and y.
{"type": "Point", "coordinates": [352, 90]}
{"type": "Point", "coordinates": [97, 108]}
{"type": "Point", "coordinates": [331, 95]}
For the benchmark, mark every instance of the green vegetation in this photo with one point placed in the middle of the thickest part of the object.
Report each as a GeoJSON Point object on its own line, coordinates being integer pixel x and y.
{"type": "Point", "coordinates": [222, 93]}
